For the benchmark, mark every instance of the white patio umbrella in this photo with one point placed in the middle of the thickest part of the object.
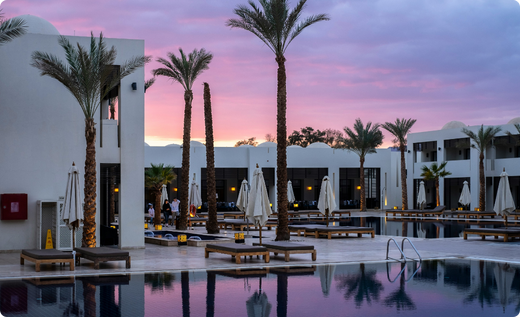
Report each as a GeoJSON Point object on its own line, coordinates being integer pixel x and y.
{"type": "Point", "coordinates": [327, 201]}
{"type": "Point", "coordinates": [421, 198]}
{"type": "Point", "coordinates": [290, 193]}
{"type": "Point", "coordinates": [258, 305]}
{"type": "Point", "coordinates": [72, 213]}
{"type": "Point", "coordinates": [243, 196]}
{"type": "Point", "coordinates": [465, 196]}
{"type": "Point", "coordinates": [504, 276]}
{"type": "Point", "coordinates": [326, 275]}
{"type": "Point", "coordinates": [194, 200]}
{"type": "Point", "coordinates": [164, 194]}
{"type": "Point", "coordinates": [259, 207]}
{"type": "Point", "coordinates": [504, 204]}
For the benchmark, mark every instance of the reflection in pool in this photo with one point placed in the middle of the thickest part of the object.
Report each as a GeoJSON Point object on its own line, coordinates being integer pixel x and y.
{"type": "Point", "coordinates": [439, 288]}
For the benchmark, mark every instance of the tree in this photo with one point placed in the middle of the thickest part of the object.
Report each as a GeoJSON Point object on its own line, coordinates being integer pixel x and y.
{"type": "Point", "coordinates": [362, 140]}
{"type": "Point", "coordinates": [481, 140]}
{"type": "Point", "coordinates": [250, 141]}
{"type": "Point", "coordinates": [211, 225]}
{"type": "Point", "coordinates": [11, 28]}
{"type": "Point", "coordinates": [277, 26]}
{"type": "Point", "coordinates": [434, 172]}
{"type": "Point", "coordinates": [400, 130]}
{"type": "Point", "coordinates": [270, 138]}
{"type": "Point", "coordinates": [305, 137]}
{"type": "Point", "coordinates": [89, 74]}
{"type": "Point", "coordinates": [332, 137]}
{"type": "Point", "coordinates": [154, 178]}
{"type": "Point", "coordinates": [185, 69]}
{"type": "Point", "coordinates": [363, 286]}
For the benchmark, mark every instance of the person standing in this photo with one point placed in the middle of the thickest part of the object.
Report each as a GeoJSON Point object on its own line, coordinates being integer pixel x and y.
{"type": "Point", "coordinates": [151, 212]}
{"type": "Point", "coordinates": [167, 211]}
{"type": "Point", "coordinates": [175, 208]}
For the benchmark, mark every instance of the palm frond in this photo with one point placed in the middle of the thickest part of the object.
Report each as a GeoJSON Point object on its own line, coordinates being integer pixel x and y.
{"type": "Point", "coordinates": [11, 28]}
{"type": "Point", "coordinates": [362, 140]}
{"type": "Point", "coordinates": [149, 83]}
{"type": "Point", "coordinates": [483, 137]}
{"type": "Point", "coordinates": [399, 129]}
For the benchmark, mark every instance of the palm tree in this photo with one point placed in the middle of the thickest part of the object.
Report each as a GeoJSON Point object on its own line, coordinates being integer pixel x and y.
{"type": "Point", "coordinates": [154, 178]}
{"type": "Point", "coordinates": [89, 74]}
{"type": "Point", "coordinates": [185, 69]}
{"type": "Point", "coordinates": [399, 130]}
{"type": "Point", "coordinates": [11, 28]}
{"type": "Point", "coordinates": [481, 141]}
{"type": "Point", "coordinates": [211, 225]}
{"type": "Point", "coordinates": [362, 140]}
{"type": "Point", "coordinates": [363, 286]}
{"type": "Point", "coordinates": [434, 172]}
{"type": "Point", "coordinates": [277, 26]}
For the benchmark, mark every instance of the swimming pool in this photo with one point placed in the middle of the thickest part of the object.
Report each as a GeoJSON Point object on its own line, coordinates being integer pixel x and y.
{"type": "Point", "coordinates": [440, 287]}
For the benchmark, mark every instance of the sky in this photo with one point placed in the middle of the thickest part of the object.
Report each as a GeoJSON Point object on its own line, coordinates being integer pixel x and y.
{"type": "Point", "coordinates": [377, 60]}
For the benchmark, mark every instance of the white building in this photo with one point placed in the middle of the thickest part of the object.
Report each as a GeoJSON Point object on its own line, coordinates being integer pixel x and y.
{"type": "Point", "coordinates": [42, 130]}
{"type": "Point", "coordinates": [450, 144]}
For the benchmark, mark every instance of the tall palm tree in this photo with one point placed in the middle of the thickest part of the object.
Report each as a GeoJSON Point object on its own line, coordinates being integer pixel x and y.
{"type": "Point", "coordinates": [434, 172]}
{"type": "Point", "coordinates": [400, 129]}
{"type": "Point", "coordinates": [362, 140]}
{"type": "Point", "coordinates": [277, 26]}
{"type": "Point", "coordinates": [11, 28]}
{"type": "Point", "coordinates": [363, 286]}
{"type": "Point", "coordinates": [185, 69]}
{"type": "Point", "coordinates": [211, 225]}
{"type": "Point", "coordinates": [154, 178]}
{"type": "Point", "coordinates": [89, 74]}
{"type": "Point", "coordinates": [481, 140]}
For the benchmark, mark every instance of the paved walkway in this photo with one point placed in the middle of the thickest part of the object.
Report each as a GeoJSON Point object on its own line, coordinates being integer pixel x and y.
{"type": "Point", "coordinates": [338, 250]}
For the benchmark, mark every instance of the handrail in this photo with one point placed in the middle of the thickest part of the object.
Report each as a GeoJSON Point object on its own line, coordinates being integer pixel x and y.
{"type": "Point", "coordinates": [398, 248]}
{"type": "Point", "coordinates": [402, 248]}
{"type": "Point", "coordinates": [402, 272]}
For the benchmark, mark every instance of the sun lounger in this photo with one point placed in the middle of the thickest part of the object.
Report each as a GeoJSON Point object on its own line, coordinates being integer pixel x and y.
{"type": "Point", "coordinates": [495, 232]}
{"type": "Point", "coordinates": [300, 229]}
{"type": "Point", "coordinates": [239, 224]}
{"type": "Point", "coordinates": [437, 211]}
{"type": "Point", "coordinates": [102, 254]}
{"type": "Point", "coordinates": [339, 230]}
{"type": "Point", "coordinates": [46, 256]}
{"type": "Point", "coordinates": [469, 214]}
{"type": "Point", "coordinates": [288, 248]}
{"type": "Point", "coordinates": [237, 250]}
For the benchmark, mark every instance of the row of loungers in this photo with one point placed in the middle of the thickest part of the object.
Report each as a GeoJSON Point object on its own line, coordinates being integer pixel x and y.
{"type": "Point", "coordinates": [494, 232]}
{"type": "Point", "coordinates": [437, 211]}
{"type": "Point", "coordinates": [97, 255]}
{"type": "Point", "coordinates": [238, 224]}
{"type": "Point", "coordinates": [320, 230]}
{"type": "Point", "coordinates": [237, 250]}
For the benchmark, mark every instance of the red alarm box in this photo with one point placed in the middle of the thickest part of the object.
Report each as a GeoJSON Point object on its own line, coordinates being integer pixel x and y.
{"type": "Point", "coordinates": [14, 206]}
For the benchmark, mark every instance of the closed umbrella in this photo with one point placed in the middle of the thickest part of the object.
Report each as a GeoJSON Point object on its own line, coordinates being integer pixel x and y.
{"type": "Point", "coordinates": [258, 305]}
{"type": "Point", "coordinates": [326, 275]}
{"type": "Point", "coordinates": [465, 196]}
{"type": "Point", "coordinates": [72, 213]}
{"type": "Point", "coordinates": [327, 201]}
{"type": "Point", "coordinates": [290, 193]}
{"type": "Point", "coordinates": [164, 194]}
{"type": "Point", "coordinates": [421, 198]}
{"type": "Point", "coordinates": [504, 276]}
{"type": "Point", "coordinates": [195, 201]}
{"type": "Point", "coordinates": [258, 209]}
{"type": "Point", "coordinates": [243, 196]}
{"type": "Point", "coordinates": [504, 204]}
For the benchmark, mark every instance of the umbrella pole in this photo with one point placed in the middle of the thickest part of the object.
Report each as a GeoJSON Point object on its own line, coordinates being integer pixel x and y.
{"type": "Point", "coordinates": [260, 231]}
{"type": "Point", "coordinates": [505, 220]}
{"type": "Point", "coordinates": [327, 216]}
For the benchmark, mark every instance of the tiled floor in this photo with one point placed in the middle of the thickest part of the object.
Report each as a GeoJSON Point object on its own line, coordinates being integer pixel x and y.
{"type": "Point", "coordinates": [339, 250]}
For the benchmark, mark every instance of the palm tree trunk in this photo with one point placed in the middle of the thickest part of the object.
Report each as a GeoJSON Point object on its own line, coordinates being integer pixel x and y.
{"type": "Point", "coordinates": [89, 223]}
{"type": "Point", "coordinates": [185, 170]}
{"type": "Point", "coordinates": [185, 290]}
{"type": "Point", "coordinates": [404, 188]}
{"type": "Point", "coordinates": [362, 204]}
{"type": "Point", "coordinates": [281, 149]}
{"type": "Point", "coordinates": [482, 181]}
{"type": "Point", "coordinates": [211, 225]}
{"type": "Point", "coordinates": [158, 211]}
{"type": "Point", "coordinates": [437, 198]}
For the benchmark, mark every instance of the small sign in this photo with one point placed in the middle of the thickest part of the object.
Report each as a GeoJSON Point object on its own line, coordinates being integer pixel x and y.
{"type": "Point", "coordinates": [48, 244]}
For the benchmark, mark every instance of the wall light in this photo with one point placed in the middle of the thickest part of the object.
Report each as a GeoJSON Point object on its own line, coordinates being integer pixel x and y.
{"type": "Point", "coordinates": [134, 86]}
{"type": "Point", "coordinates": [358, 188]}
{"type": "Point", "coordinates": [175, 189]}
{"type": "Point", "coordinates": [233, 189]}
{"type": "Point", "coordinates": [116, 190]}
{"type": "Point", "coordinates": [295, 205]}
{"type": "Point", "coordinates": [309, 188]}
{"type": "Point", "coordinates": [395, 207]}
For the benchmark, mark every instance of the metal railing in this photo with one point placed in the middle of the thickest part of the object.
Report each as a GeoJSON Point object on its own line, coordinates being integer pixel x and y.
{"type": "Point", "coordinates": [403, 257]}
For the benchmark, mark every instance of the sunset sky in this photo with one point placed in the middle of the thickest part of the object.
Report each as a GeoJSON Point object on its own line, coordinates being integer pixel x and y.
{"type": "Point", "coordinates": [433, 60]}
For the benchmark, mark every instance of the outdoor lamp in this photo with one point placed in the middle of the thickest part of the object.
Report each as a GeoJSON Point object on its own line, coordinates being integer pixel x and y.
{"type": "Point", "coordinates": [134, 86]}
{"type": "Point", "coordinates": [395, 207]}
{"type": "Point", "coordinates": [359, 187]}
{"type": "Point", "coordinates": [271, 205]}
{"type": "Point", "coordinates": [175, 189]}
{"type": "Point", "coordinates": [309, 188]}
{"type": "Point", "coordinates": [233, 189]}
{"type": "Point", "coordinates": [181, 239]}
{"type": "Point", "coordinates": [199, 207]}
{"type": "Point", "coordinates": [295, 205]}
{"type": "Point", "coordinates": [116, 190]}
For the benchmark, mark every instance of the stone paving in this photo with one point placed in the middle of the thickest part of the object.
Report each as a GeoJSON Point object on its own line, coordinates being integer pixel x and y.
{"type": "Point", "coordinates": [337, 250]}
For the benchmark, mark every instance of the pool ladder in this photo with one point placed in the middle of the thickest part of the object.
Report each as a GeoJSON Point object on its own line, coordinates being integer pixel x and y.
{"type": "Point", "coordinates": [403, 257]}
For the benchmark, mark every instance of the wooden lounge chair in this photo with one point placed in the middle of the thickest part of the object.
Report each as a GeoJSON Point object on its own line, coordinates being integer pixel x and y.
{"type": "Point", "coordinates": [329, 231]}
{"type": "Point", "coordinates": [46, 256]}
{"type": "Point", "coordinates": [437, 211]}
{"type": "Point", "coordinates": [237, 250]}
{"type": "Point", "coordinates": [288, 248]}
{"type": "Point", "coordinates": [102, 254]}
{"type": "Point", "coordinates": [494, 232]}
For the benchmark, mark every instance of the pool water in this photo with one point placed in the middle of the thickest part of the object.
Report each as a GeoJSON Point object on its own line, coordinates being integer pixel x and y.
{"type": "Point", "coordinates": [432, 288]}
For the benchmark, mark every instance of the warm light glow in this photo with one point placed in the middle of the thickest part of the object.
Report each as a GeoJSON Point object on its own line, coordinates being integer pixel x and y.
{"type": "Point", "coordinates": [199, 207]}
{"type": "Point", "coordinates": [476, 209]}
{"type": "Point", "coordinates": [146, 226]}
{"type": "Point", "coordinates": [233, 189]}
{"type": "Point", "coordinates": [395, 207]}
{"type": "Point", "coordinates": [309, 188]}
{"type": "Point", "coordinates": [359, 187]}
{"type": "Point", "coordinates": [271, 205]}
{"type": "Point", "coordinates": [116, 190]}
{"type": "Point", "coordinates": [158, 227]}
{"type": "Point", "coordinates": [175, 189]}
{"type": "Point", "coordinates": [295, 205]}
{"type": "Point", "coordinates": [113, 227]}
